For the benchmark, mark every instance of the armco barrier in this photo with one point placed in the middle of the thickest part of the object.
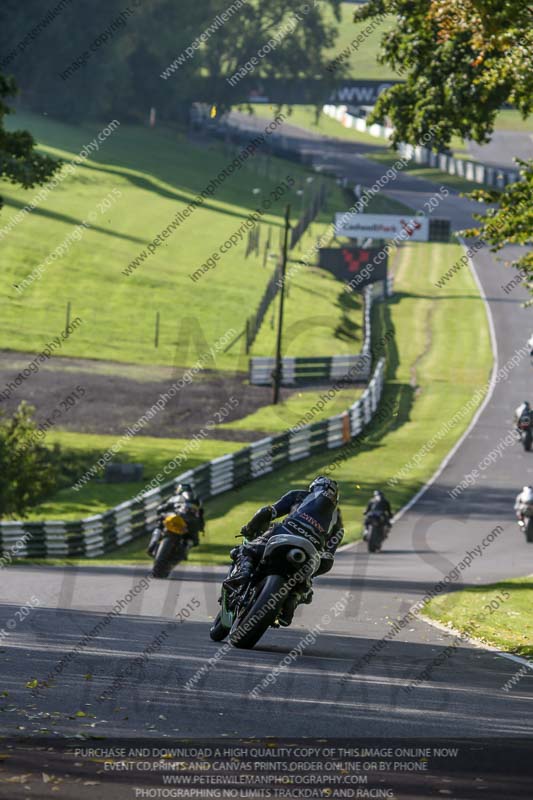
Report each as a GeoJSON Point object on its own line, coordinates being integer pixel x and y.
{"type": "Point", "coordinates": [96, 535]}
{"type": "Point", "coordinates": [302, 371]}
{"type": "Point", "coordinates": [493, 177]}
{"type": "Point", "coordinates": [469, 170]}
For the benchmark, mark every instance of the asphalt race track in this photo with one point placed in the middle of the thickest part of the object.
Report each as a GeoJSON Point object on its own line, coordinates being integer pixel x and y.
{"type": "Point", "coordinates": [330, 690]}
{"type": "Point", "coordinates": [503, 148]}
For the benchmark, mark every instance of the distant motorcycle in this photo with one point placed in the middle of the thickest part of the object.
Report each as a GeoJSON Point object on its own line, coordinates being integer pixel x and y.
{"type": "Point", "coordinates": [375, 530]}
{"type": "Point", "coordinates": [524, 516]}
{"type": "Point", "coordinates": [248, 611]}
{"type": "Point", "coordinates": [524, 427]}
{"type": "Point", "coordinates": [176, 541]}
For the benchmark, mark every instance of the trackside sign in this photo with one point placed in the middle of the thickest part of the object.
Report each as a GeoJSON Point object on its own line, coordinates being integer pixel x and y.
{"type": "Point", "coordinates": [359, 266]}
{"type": "Point", "coordinates": [382, 226]}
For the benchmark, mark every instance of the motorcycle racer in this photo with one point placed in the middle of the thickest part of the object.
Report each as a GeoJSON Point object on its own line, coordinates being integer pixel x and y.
{"type": "Point", "coordinates": [313, 512]}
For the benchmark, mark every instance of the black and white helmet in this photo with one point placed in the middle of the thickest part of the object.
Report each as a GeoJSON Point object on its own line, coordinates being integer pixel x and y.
{"type": "Point", "coordinates": [186, 491]}
{"type": "Point", "coordinates": [181, 488]}
{"type": "Point", "coordinates": [325, 486]}
{"type": "Point", "coordinates": [527, 494]}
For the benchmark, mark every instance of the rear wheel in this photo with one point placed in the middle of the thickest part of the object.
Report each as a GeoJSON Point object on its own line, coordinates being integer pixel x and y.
{"type": "Point", "coordinates": [252, 623]}
{"type": "Point", "coordinates": [529, 530]}
{"type": "Point", "coordinates": [374, 539]}
{"type": "Point", "coordinates": [528, 438]}
{"type": "Point", "coordinates": [165, 558]}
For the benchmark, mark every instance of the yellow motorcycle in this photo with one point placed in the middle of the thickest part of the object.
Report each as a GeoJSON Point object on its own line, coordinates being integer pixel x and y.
{"type": "Point", "coordinates": [174, 546]}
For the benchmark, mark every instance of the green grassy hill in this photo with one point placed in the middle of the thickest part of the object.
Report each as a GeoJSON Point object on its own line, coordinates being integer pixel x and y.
{"type": "Point", "coordinates": [133, 186]}
{"type": "Point", "coordinates": [96, 496]}
{"type": "Point", "coordinates": [362, 61]}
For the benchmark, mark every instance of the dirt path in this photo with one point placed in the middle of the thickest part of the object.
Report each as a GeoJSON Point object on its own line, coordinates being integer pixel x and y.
{"type": "Point", "coordinates": [117, 395]}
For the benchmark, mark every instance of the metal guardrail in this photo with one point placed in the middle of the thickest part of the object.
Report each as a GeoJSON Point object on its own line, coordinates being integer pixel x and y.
{"type": "Point", "coordinates": [494, 177]}
{"type": "Point", "coordinates": [300, 371]}
{"type": "Point", "coordinates": [101, 533]}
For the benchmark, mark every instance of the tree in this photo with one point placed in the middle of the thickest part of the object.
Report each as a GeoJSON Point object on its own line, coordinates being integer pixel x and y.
{"type": "Point", "coordinates": [27, 472]}
{"type": "Point", "coordinates": [286, 39]}
{"type": "Point", "coordinates": [19, 163]}
{"type": "Point", "coordinates": [462, 60]}
{"type": "Point", "coordinates": [87, 77]}
{"type": "Point", "coordinates": [512, 221]}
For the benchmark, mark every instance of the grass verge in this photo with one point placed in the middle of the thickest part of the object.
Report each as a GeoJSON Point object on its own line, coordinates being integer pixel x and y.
{"type": "Point", "coordinates": [506, 624]}
{"type": "Point", "coordinates": [96, 496]}
{"type": "Point", "coordinates": [297, 409]}
{"type": "Point", "coordinates": [320, 318]}
{"type": "Point", "coordinates": [362, 59]}
{"type": "Point", "coordinates": [511, 120]}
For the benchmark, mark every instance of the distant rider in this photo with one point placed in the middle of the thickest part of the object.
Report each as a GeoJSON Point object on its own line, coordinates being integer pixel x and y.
{"type": "Point", "coordinates": [317, 509]}
{"type": "Point", "coordinates": [186, 502]}
{"type": "Point", "coordinates": [379, 503]}
{"type": "Point", "coordinates": [524, 498]}
{"type": "Point", "coordinates": [522, 413]}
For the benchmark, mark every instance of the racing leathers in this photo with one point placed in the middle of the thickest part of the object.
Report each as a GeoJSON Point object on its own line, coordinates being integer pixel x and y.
{"type": "Point", "coordinates": [382, 505]}
{"type": "Point", "coordinates": [524, 498]}
{"type": "Point", "coordinates": [313, 511]}
{"type": "Point", "coordinates": [522, 413]}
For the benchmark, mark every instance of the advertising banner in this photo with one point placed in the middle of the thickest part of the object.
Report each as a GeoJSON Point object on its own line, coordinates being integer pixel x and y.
{"type": "Point", "coordinates": [382, 226]}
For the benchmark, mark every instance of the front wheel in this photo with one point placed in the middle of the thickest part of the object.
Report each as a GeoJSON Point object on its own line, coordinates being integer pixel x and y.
{"type": "Point", "coordinates": [254, 621]}
{"type": "Point", "coordinates": [166, 557]}
{"type": "Point", "coordinates": [218, 630]}
{"type": "Point", "coordinates": [528, 530]}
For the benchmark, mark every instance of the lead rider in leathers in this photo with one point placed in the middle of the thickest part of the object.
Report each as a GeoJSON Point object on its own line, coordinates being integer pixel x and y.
{"type": "Point", "coordinates": [313, 513]}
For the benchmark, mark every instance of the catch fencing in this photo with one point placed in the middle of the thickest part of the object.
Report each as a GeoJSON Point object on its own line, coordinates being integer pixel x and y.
{"type": "Point", "coordinates": [101, 533]}
{"type": "Point", "coordinates": [300, 370]}
{"type": "Point", "coordinates": [494, 177]}
{"type": "Point", "coordinates": [318, 202]}
{"type": "Point", "coordinates": [253, 323]}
